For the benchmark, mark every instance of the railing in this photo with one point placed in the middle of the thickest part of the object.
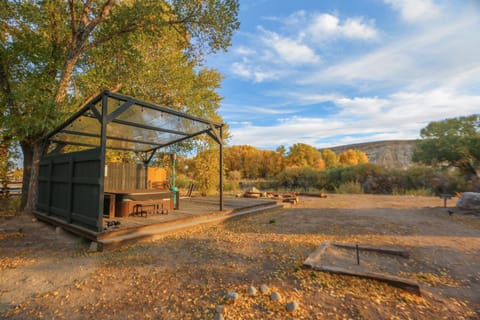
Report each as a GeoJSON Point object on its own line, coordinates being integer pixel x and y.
{"type": "Point", "coordinates": [8, 188]}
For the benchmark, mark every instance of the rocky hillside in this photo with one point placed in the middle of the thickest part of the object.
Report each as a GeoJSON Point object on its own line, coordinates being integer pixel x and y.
{"type": "Point", "coordinates": [391, 154]}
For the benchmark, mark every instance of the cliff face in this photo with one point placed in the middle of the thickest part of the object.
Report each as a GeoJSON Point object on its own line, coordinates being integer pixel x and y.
{"type": "Point", "coordinates": [390, 154]}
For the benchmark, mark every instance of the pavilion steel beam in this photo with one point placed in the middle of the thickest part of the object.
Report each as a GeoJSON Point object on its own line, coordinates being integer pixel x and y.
{"type": "Point", "coordinates": [69, 121]}
{"type": "Point", "coordinates": [180, 140]}
{"type": "Point", "coordinates": [159, 108]}
{"type": "Point", "coordinates": [147, 127]}
{"type": "Point", "coordinates": [96, 113]}
{"type": "Point", "coordinates": [80, 144]}
{"type": "Point", "coordinates": [119, 111]}
{"type": "Point", "coordinates": [89, 145]}
{"type": "Point", "coordinates": [94, 135]}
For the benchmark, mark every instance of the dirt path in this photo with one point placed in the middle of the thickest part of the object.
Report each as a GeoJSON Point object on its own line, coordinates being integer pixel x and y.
{"type": "Point", "coordinates": [50, 275]}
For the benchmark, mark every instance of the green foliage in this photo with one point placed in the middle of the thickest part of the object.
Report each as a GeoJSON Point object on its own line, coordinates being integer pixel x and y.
{"type": "Point", "coordinates": [54, 55]}
{"type": "Point", "coordinates": [350, 187]}
{"type": "Point", "coordinates": [296, 178]}
{"type": "Point", "coordinates": [371, 178]}
{"type": "Point", "coordinates": [182, 181]}
{"type": "Point", "coordinates": [455, 142]}
{"type": "Point", "coordinates": [205, 170]}
{"type": "Point", "coordinates": [9, 206]}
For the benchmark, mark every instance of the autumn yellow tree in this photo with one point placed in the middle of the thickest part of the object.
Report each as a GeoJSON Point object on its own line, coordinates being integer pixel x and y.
{"type": "Point", "coordinates": [352, 157]}
{"type": "Point", "coordinates": [205, 167]}
{"type": "Point", "coordinates": [304, 155]}
{"type": "Point", "coordinates": [330, 158]}
{"type": "Point", "coordinates": [252, 163]}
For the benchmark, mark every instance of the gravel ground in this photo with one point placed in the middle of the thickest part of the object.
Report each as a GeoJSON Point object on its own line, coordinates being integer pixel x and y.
{"type": "Point", "coordinates": [188, 275]}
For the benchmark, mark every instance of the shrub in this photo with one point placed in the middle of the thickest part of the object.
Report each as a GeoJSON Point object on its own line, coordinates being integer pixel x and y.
{"type": "Point", "coordinates": [182, 181]}
{"type": "Point", "coordinates": [350, 187]}
{"type": "Point", "coordinates": [298, 178]}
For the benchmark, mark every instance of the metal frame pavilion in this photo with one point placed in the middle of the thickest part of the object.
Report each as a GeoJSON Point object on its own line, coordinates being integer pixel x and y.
{"type": "Point", "coordinates": [69, 182]}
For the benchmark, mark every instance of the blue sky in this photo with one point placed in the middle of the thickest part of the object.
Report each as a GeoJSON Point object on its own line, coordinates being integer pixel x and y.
{"type": "Point", "coordinates": [328, 73]}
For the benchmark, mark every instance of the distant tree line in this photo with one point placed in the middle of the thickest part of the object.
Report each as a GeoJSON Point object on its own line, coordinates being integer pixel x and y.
{"type": "Point", "coordinates": [447, 160]}
{"type": "Point", "coordinates": [246, 163]}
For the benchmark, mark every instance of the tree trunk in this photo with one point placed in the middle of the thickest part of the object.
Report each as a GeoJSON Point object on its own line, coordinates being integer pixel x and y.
{"type": "Point", "coordinates": [32, 152]}
{"type": "Point", "coordinates": [65, 80]}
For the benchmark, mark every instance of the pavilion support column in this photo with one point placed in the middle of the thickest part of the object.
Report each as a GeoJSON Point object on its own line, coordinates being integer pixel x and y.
{"type": "Point", "coordinates": [103, 147]}
{"type": "Point", "coordinates": [145, 166]}
{"type": "Point", "coordinates": [221, 168]}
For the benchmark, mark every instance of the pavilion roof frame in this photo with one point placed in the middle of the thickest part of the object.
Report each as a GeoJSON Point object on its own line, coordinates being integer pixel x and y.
{"type": "Point", "coordinates": [144, 133]}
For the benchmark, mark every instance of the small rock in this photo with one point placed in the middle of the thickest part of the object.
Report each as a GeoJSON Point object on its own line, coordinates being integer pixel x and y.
{"type": "Point", "coordinates": [93, 246]}
{"type": "Point", "coordinates": [264, 289]}
{"type": "Point", "coordinates": [276, 296]}
{"type": "Point", "coordinates": [291, 306]}
{"type": "Point", "coordinates": [219, 316]}
{"type": "Point", "coordinates": [220, 308]}
{"type": "Point", "coordinates": [232, 295]}
{"type": "Point", "coordinates": [252, 291]}
{"type": "Point", "coordinates": [34, 219]}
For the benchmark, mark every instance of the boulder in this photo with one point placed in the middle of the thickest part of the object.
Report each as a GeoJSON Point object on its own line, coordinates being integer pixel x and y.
{"type": "Point", "coordinates": [469, 201]}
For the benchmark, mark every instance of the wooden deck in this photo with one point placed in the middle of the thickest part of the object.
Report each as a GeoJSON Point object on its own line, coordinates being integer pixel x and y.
{"type": "Point", "coordinates": [189, 208]}
{"type": "Point", "coordinates": [193, 211]}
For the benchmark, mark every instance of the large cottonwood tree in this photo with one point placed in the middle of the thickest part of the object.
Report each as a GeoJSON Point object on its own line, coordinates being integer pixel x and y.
{"type": "Point", "coordinates": [454, 141]}
{"type": "Point", "coordinates": [55, 54]}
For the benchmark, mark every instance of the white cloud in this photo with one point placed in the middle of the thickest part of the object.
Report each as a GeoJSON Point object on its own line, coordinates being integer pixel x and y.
{"type": "Point", "coordinates": [244, 51]}
{"type": "Point", "coordinates": [356, 28]}
{"type": "Point", "coordinates": [361, 105]}
{"type": "Point", "coordinates": [248, 72]}
{"type": "Point", "coordinates": [424, 60]}
{"type": "Point", "coordinates": [289, 50]}
{"type": "Point", "coordinates": [415, 10]}
{"type": "Point", "coordinates": [325, 25]}
{"type": "Point", "coordinates": [359, 119]}
{"type": "Point", "coordinates": [241, 70]}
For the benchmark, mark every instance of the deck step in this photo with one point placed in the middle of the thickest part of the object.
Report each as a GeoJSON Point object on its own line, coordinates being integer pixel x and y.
{"type": "Point", "coordinates": [162, 230]}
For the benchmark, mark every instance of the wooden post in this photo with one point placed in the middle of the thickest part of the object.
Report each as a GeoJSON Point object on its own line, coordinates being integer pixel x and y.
{"type": "Point", "coordinates": [221, 168]}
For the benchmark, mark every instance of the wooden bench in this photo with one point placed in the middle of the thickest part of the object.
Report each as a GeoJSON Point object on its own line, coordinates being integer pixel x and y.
{"type": "Point", "coordinates": [143, 208]}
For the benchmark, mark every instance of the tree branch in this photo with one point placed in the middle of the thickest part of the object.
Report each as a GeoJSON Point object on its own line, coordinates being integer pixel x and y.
{"type": "Point", "coordinates": [73, 16]}
{"type": "Point", "coordinates": [86, 11]}
{"type": "Point", "coordinates": [4, 83]}
{"type": "Point", "coordinates": [100, 41]}
{"type": "Point", "coordinates": [105, 10]}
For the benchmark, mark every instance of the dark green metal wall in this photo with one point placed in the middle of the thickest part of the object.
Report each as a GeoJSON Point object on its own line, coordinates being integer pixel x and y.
{"type": "Point", "coordinates": [70, 188]}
